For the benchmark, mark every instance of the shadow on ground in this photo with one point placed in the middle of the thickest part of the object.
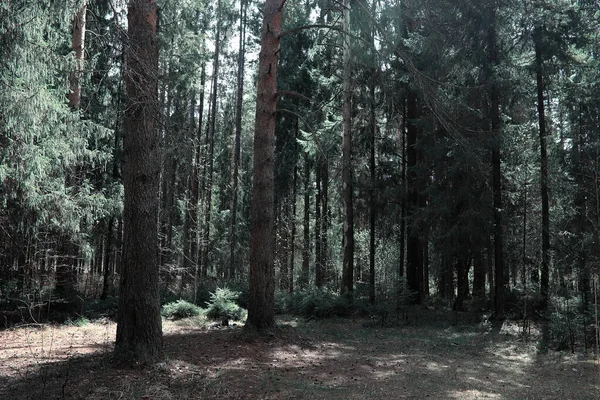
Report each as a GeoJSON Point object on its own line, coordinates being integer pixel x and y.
{"type": "Point", "coordinates": [331, 359]}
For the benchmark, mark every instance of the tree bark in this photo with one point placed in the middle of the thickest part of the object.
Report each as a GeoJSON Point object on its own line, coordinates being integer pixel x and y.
{"type": "Point", "coordinates": [195, 190]}
{"type": "Point", "coordinates": [139, 330]}
{"type": "Point", "coordinates": [319, 270]}
{"type": "Point", "coordinates": [78, 45]}
{"type": "Point", "coordinates": [414, 252]}
{"type": "Point", "coordinates": [372, 212]}
{"type": "Point", "coordinates": [347, 186]}
{"type": "Point", "coordinates": [545, 276]}
{"type": "Point", "coordinates": [261, 310]}
{"type": "Point", "coordinates": [496, 168]}
{"type": "Point", "coordinates": [211, 144]}
{"type": "Point", "coordinates": [304, 274]}
{"type": "Point", "coordinates": [237, 140]}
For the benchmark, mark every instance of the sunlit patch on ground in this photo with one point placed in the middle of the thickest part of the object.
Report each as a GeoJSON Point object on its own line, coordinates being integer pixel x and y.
{"type": "Point", "coordinates": [328, 359]}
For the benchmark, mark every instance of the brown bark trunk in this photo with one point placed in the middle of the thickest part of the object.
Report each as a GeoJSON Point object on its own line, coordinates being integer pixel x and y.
{"type": "Point", "coordinates": [347, 186]}
{"type": "Point", "coordinates": [237, 140]}
{"type": "Point", "coordinates": [78, 45]}
{"type": "Point", "coordinates": [139, 330]}
{"type": "Point", "coordinates": [261, 310]}
{"type": "Point", "coordinates": [195, 190]}
{"type": "Point", "coordinates": [211, 146]}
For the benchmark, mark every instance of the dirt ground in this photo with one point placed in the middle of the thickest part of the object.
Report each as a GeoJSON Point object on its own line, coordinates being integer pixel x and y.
{"type": "Point", "coordinates": [328, 359]}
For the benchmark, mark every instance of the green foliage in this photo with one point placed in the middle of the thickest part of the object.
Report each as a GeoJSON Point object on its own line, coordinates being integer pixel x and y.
{"type": "Point", "coordinates": [570, 327]}
{"type": "Point", "coordinates": [79, 322]}
{"type": "Point", "coordinates": [223, 306]}
{"type": "Point", "coordinates": [180, 309]}
{"type": "Point", "coordinates": [316, 303]}
{"type": "Point", "coordinates": [107, 307]}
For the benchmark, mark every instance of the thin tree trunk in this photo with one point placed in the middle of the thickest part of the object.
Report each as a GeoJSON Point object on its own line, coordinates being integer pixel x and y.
{"type": "Point", "coordinates": [211, 144]}
{"type": "Point", "coordinates": [188, 222]}
{"type": "Point", "coordinates": [524, 268]}
{"type": "Point", "coordinates": [348, 253]}
{"type": "Point", "coordinates": [325, 218]}
{"type": "Point", "coordinates": [372, 212]}
{"type": "Point", "coordinates": [414, 252]}
{"type": "Point", "coordinates": [139, 330]}
{"type": "Point", "coordinates": [306, 226]}
{"type": "Point", "coordinates": [237, 140]}
{"type": "Point", "coordinates": [195, 191]}
{"type": "Point", "coordinates": [319, 270]}
{"type": "Point", "coordinates": [107, 258]}
{"type": "Point", "coordinates": [261, 310]}
{"type": "Point", "coordinates": [545, 276]}
{"type": "Point", "coordinates": [293, 221]}
{"type": "Point", "coordinates": [478, 275]}
{"type": "Point", "coordinates": [403, 200]}
{"type": "Point", "coordinates": [496, 169]}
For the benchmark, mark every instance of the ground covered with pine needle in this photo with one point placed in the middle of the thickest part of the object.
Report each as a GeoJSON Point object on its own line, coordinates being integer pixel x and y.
{"type": "Point", "coordinates": [422, 355]}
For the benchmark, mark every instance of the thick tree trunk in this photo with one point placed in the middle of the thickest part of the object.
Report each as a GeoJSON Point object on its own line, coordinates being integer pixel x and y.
{"type": "Point", "coordinates": [261, 310]}
{"type": "Point", "coordinates": [545, 276]}
{"type": "Point", "coordinates": [347, 185]}
{"type": "Point", "coordinates": [139, 330]}
{"type": "Point", "coordinates": [78, 45]}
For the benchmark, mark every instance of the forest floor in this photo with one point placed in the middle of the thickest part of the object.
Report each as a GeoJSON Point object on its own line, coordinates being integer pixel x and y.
{"type": "Point", "coordinates": [430, 356]}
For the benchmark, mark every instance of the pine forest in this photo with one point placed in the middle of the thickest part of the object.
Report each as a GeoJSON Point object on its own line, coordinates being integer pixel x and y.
{"type": "Point", "coordinates": [307, 199]}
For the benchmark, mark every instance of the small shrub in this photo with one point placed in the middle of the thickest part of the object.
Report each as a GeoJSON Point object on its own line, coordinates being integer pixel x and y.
{"type": "Point", "coordinates": [223, 306]}
{"type": "Point", "coordinates": [79, 322]}
{"type": "Point", "coordinates": [317, 303]}
{"type": "Point", "coordinates": [180, 309]}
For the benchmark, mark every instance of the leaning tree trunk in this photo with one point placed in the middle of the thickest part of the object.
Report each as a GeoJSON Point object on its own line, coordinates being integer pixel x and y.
{"type": "Point", "coordinates": [348, 251]}
{"type": "Point", "coordinates": [139, 330]}
{"type": "Point", "coordinates": [261, 307]}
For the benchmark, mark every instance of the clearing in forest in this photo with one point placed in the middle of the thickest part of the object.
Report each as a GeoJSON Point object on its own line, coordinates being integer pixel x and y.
{"type": "Point", "coordinates": [318, 359]}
